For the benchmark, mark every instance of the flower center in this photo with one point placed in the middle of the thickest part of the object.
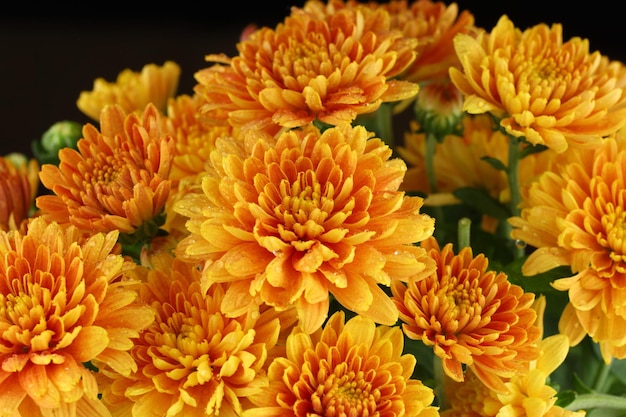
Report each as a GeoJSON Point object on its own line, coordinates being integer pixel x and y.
{"type": "Point", "coordinates": [614, 222]}
{"type": "Point", "coordinates": [305, 208]}
{"type": "Point", "coordinates": [349, 394]}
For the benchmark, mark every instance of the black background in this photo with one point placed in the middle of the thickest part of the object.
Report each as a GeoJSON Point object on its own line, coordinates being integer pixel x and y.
{"type": "Point", "coordinates": [48, 56]}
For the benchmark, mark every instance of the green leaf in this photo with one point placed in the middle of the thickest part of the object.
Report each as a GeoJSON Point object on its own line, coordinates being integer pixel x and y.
{"type": "Point", "coordinates": [494, 162]}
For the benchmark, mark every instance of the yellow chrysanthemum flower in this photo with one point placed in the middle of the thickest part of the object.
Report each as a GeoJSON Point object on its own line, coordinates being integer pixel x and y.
{"type": "Point", "coordinates": [19, 185]}
{"type": "Point", "coordinates": [345, 369]}
{"type": "Point", "coordinates": [310, 215]}
{"type": "Point", "coordinates": [318, 64]}
{"type": "Point", "coordinates": [548, 91]}
{"type": "Point", "coordinates": [470, 315]}
{"type": "Point", "coordinates": [575, 215]}
{"type": "Point", "coordinates": [117, 179]}
{"type": "Point", "coordinates": [132, 91]}
{"type": "Point", "coordinates": [193, 361]}
{"type": "Point", "coordinates": [64, 302]}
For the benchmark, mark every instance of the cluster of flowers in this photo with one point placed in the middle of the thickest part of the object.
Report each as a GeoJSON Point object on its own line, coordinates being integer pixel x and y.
{"type": "Point", "coordinates": [373, 209]}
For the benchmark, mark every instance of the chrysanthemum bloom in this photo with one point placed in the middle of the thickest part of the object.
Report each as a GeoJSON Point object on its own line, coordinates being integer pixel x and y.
{"type": "Point", "coordinates": [551, 92]}
{"type": "Point", "coordinates": [132, 91]}
{"type": "Point", "coordinates": [311, 215]}
{"type": "Point", "coordinates": [345, 369]}
{"type": "Point", "coordinates": [193, 361]}
{"type": "Point", "coordinates": [19, 184]}
{"type": "Point", "coordinates": [312, 66]}
{"type": "Point", "coordinates": [470, 315]}
{"type": "Point", "coordinates": [117, 179]}
{"type": "Point", "coordinates": [64, 302]}
{"type": "Point", "coordinates": [575, 214]}
{"type": "Point", "coordinates": [529, 393]}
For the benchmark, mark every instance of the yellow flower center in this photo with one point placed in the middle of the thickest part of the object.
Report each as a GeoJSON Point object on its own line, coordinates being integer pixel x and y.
{"type": "Point", "coordinates": [614, 222]}
{"type": "Point", "coordinates": [461, 302]}
{"type": "Point", "coordinates": [345, 393]}
{"type": "Point", "coordinates": [304, 207]}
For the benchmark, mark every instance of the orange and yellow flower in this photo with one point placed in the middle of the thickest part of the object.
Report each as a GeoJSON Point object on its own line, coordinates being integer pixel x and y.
{"type": "Point", "coordinates": [65, 301]}
{"type": "Point", "coordinates": [470, 315]}
{"type": "Point", "coordinates": [117, 179]}
{"type": "Point", "coordinates": [19, 185]}
{"type": "Point", "coordinates": [310, 215]}
{"type": "Point", "coordinates": [132, 91]}
{"type": "Point", "coordinates": [529, 393]}
{"type": "Point", "coordinates": [318, 64]}
{"type": "Point", "coordinates": [345, 369]}
{"type": "Point", "coordinates": [575, 215]}
{"type": "Point", "coordinates": [550, 92]}
{"type": "Point", "coordinates": [193, 361]}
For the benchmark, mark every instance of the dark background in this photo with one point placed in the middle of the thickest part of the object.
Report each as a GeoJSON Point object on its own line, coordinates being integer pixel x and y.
{"type": "Point", "coordinates": [47, 57]}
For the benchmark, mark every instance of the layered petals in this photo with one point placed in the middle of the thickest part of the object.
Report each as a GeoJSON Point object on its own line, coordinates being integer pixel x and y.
{"type": "Point", "coordinates": [321, 63]}
{"type": "Point", "coordinates": [117, 179]}
{"type": "Point", "coordinates": [550, 92]}
{"type": "Point", "coordinates": [346, 368]}
{"type": "Point", "coordinates": [65, 302]}
{"type": "Point", "coordinates": [312, 215]}
{"type": "Point", "coordinates": [471, 316]}
{"type": "Point", "coordinates": [574, 215]}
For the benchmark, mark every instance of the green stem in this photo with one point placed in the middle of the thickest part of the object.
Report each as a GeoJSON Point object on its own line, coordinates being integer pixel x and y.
{"type": "Point", "coordinates": [593, 400]}
{"type": "Point", "coordinates": [514, 188]}
{"type": "Point", "coordinates": [602, 381]}
{"type": "Point", "coordinates": [439, 375]}
{"type": "Point", "coordinates": [464, 232]}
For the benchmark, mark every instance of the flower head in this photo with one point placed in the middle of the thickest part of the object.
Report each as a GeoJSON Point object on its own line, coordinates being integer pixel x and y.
{"type": "Point", "coordinates": [470, 315]}
{"type": "Point", "coordinates": [575, 215]}
{"type": "Point", "coordinates": [193, 361]}
{"type": "Point", "coordinates": [132, 91]}
{"type": "Point", "coordinates": [346, 368]}
{"type": "Point", "coordinates": [64, 302]}
{"type": "Point", "coordinates": [318, 64]}
{"type": "Point", "coordinates": [116, 179]}
{"type": "Point", "coordinates": [529, 393]}
{"type": "Point", "coordinates": [310, 215]}
{"type": "Point", "coordinates": [19, 185]}
{"type": "Point", "coordinates": [551, 92]}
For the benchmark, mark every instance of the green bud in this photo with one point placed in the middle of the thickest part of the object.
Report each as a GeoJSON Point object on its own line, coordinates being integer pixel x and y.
{"type": "Point", "coordinates": [60, 135]}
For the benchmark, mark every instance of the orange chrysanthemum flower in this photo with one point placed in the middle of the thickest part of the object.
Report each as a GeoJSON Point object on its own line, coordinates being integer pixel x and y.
{"type": "Point", "coordinates": [470, 316]}
{"type": "Point", "coordinates": [117, 179]}
{"type": "Point", "coordinates": [132, 91]}
{"type": "Point", "coordinates": [64, 302]}
{"type": "Point", "coordinates": [575, 214]}
{"type": "Point", "coordinates": [310, 215]}
{"type": "Point", "coordinates": [193, 361]}
{"type": "Point", "coordinates": [345, 369]}
{"type": "Point", "coordinates": [551, 92]}
{"type": "Point", "coordinates": [19, 184]}
{"type": "Point", "coordinates": [318, 64]}
{"type": "Point", "coordinates": [529, 393]}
